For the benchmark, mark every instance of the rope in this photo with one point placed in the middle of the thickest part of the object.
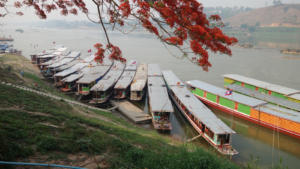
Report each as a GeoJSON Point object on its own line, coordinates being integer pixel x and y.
{"type": "Point", "coordinates": [38, 164]}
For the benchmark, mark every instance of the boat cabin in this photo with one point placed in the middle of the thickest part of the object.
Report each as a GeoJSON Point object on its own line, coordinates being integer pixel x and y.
{"type": "Point", "coordinates": [137, 87]}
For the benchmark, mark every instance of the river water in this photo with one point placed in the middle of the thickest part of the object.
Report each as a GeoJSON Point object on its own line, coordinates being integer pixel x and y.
{"type": "Point", "coordinates": [267, 64]}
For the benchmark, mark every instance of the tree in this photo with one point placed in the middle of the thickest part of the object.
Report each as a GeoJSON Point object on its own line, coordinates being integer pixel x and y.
{"type": "Point", "coordinates": [180, 23]}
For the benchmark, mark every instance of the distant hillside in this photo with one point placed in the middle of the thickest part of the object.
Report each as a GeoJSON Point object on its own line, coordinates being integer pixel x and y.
{"type": "Point", "coordinates": [287, 15]}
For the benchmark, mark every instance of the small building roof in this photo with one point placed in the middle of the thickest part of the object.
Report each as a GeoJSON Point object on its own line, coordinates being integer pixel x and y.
{"type": "Point", "coordinates": [140, 78]}
{"type": "Point", "coordinates": [110, 78]}
{"type": "Point", "coordinates": [159, 100]}
{"type": "Point", "coordinates": [221, 92]}
{"type": "Point", "coordinates": [281, 112]}
{"type": "Point", "coordinates": [125, 80]}
{"type": "Point", "coordinates": [131, 65]}
{"type": "Point", "coordinates": [72, 77]}
{"type": "Point", "coordinates": [171, 79]}
{"type": "Point", "coordinates": [261, 84]}
{"type": "Point", "coordinates": [154, 70]}
{"type": "Point", "coordinates": [200, 111]}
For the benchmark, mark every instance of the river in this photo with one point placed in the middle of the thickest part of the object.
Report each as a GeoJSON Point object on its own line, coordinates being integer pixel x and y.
{"type": "Point", "coordinates": [266, 64]}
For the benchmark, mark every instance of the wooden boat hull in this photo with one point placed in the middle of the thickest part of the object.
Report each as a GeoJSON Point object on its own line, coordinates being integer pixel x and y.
{"type": "Point", "coordinates": [218, 148]}
{"type": "Point", "coordinates": [248, 118]}
{"type": "Point", "coordinates": [166, 126]}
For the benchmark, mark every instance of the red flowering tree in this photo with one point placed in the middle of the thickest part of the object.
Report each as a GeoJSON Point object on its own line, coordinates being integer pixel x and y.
{"type": "Point", "coordinates": [180, 23]}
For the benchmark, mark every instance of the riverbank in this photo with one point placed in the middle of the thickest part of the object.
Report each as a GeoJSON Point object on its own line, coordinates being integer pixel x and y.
{"type": "Point", "coordinates": [39, 129]}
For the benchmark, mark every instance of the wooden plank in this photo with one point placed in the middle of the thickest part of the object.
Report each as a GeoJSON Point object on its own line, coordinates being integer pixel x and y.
{"type": "Point", "coordinates": [132, 112]}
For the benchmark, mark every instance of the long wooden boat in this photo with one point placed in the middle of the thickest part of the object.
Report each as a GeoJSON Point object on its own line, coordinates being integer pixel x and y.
{"type": "Point", "coordinates": [80, 64]}
{"type": "Point", "coordinates": [263, 87]}
{"type": "Point", "coordinates": [103, 89]}
{"type": "Point", "coordinates": [122, 87]}
{"type": "Point", "coordinates": [137, 87]}
{"type": "Point", "coordinates": [92, 75]}
{"type": "Point", "coordinates": [258, 111]}
{"type": "Point", "coordinates": [160, 105]}
{"type": "Point", "coordinates": [204, 121]}
{"type": "Point", "coordinates": [69, 82]}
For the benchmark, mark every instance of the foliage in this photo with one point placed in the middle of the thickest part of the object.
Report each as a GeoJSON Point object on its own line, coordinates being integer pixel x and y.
{"type": "Point", "coordinates": [179, 23]}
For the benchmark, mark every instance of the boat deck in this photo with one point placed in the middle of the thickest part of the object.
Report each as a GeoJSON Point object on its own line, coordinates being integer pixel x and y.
{"type": "Point", "coordinates": [265, 97]}
{"type": "Point", "coordinates": [140, 78]}
{"type": "Point", "coordinates": [132, 112]}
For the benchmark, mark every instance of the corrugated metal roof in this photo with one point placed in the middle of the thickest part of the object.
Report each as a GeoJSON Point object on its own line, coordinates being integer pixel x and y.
{"type": "Point", "coordinates": [265, 97]}
{"type": "Point", "coordinates": [53, 60]}
{"type": "Point", "coordinates": [261, 84]}
{"type": "Point", "coordinates": [110, 78]}
{"type": "Point", "coordinates": [71, 70]}
{"type": "Point", "coordinates": [221, 92]}
{"type": "Point", "coordinates": [171, 79]}
{"type": "Point", "coordinates": [280, 112]}
{"type": "Point", "coordinates": [159, 100]}
{"type": "Point", "coordinates": [47, 56]}
{"type": "Point", "coordinates": [154, 70]}
{"type": "Point", "coordinates": [72, 77]}
{"type": "Point", "coordinates": [93, 73]}
{"type": "Point", "coordinates": [156, 81]}
{"type": "Point", "coordinates": [131, 65]}
{"type": "Point", "coordinates": [200, 111]}
{"type": "Point", "coordinates": [125, 80]}
{"type": "Point", "coordinates": [140, 78]}
{"type": "Point", "coordinates": [61, 62]}
{"type": "Point", "coordinates": [295, 96]}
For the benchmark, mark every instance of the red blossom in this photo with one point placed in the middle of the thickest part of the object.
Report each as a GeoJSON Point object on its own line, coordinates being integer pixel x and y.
{"type": "Point", "coordinates": [174, 40]}
{"type": "Point", "coordinates": [17, 4]}
{"type": "Point", "coordinates": [125, 8]}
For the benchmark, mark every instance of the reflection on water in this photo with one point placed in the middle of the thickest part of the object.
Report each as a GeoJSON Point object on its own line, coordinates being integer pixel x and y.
{"type": "Point", "coordinates": [263, 64]}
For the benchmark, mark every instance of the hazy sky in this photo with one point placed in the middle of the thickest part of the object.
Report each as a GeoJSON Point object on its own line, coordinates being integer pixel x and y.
{"type": "Point", "coordinates": [29, 13]}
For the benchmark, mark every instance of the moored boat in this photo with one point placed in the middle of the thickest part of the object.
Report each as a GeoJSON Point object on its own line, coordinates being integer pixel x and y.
{"type": "Point", "coordinates": [264, 88]}
{"type": "Point", "coordinates": [80, 64]}
{"type": "Point", "coordinates": [122, 87]}
{"type": "Point", "coordinates": [92, 75]}
{"type": "Point", "coordinates": [160, 105]}
{"type": "Point", "coordinates": [103, 89]}
{"type": "Point", "coordinates": [258, 111]}
{"type": "Point", "coordinates": [203, 120]}
{"type": "Point", "coordinates": [67, 59]}
{"type": "Point", "coordinates": [137, 87]}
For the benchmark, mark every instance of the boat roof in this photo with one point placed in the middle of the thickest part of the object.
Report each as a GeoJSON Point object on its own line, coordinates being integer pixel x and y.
{"type": "Point", "coordinates": [125, 80]}
{"type": "Point", "coordinates": [159, 100]}
{"type": "Point", "coordinates": [154, 70]}
{"type": "Point", "coordinates": [171, 79]}
{"type": "Point", "coordinates": [71, 70]}
{"type": "Point", "coordinates": [221, 92]}
{"type": "Point", "coordinates": [265, 97]}
{"type": "Point", "coordinates": [67, 65]}
{"type": "Point", "coordinates": [61, 62]}
{"type": "Point", "coordinates": [200, 111]}
{"type": "Point", "coordinates": [131, 65]}
{"type": "Point", "coordinates": [93, 73]}
{"type": "Point", "coordinates": [72, 77]}
{"type": "Point", "coordinates": [110, 78]}
{"type": "Point", "coordinates": [140, 78]}
{"type": "Point", "coordinates": [74, 54]}
{"type": "Point", "coordinates": [47, 56]}
{"type": "Point", "coordinates": [156, 81]}
{"type": "Point", "coordinates": [261, 84]}
{"type": "Point", "coordinates": [295, 96]}
{"type": "Point", "coordinates": [53, 60]}
{"type": "Point", "coordinates": [281, 112]}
